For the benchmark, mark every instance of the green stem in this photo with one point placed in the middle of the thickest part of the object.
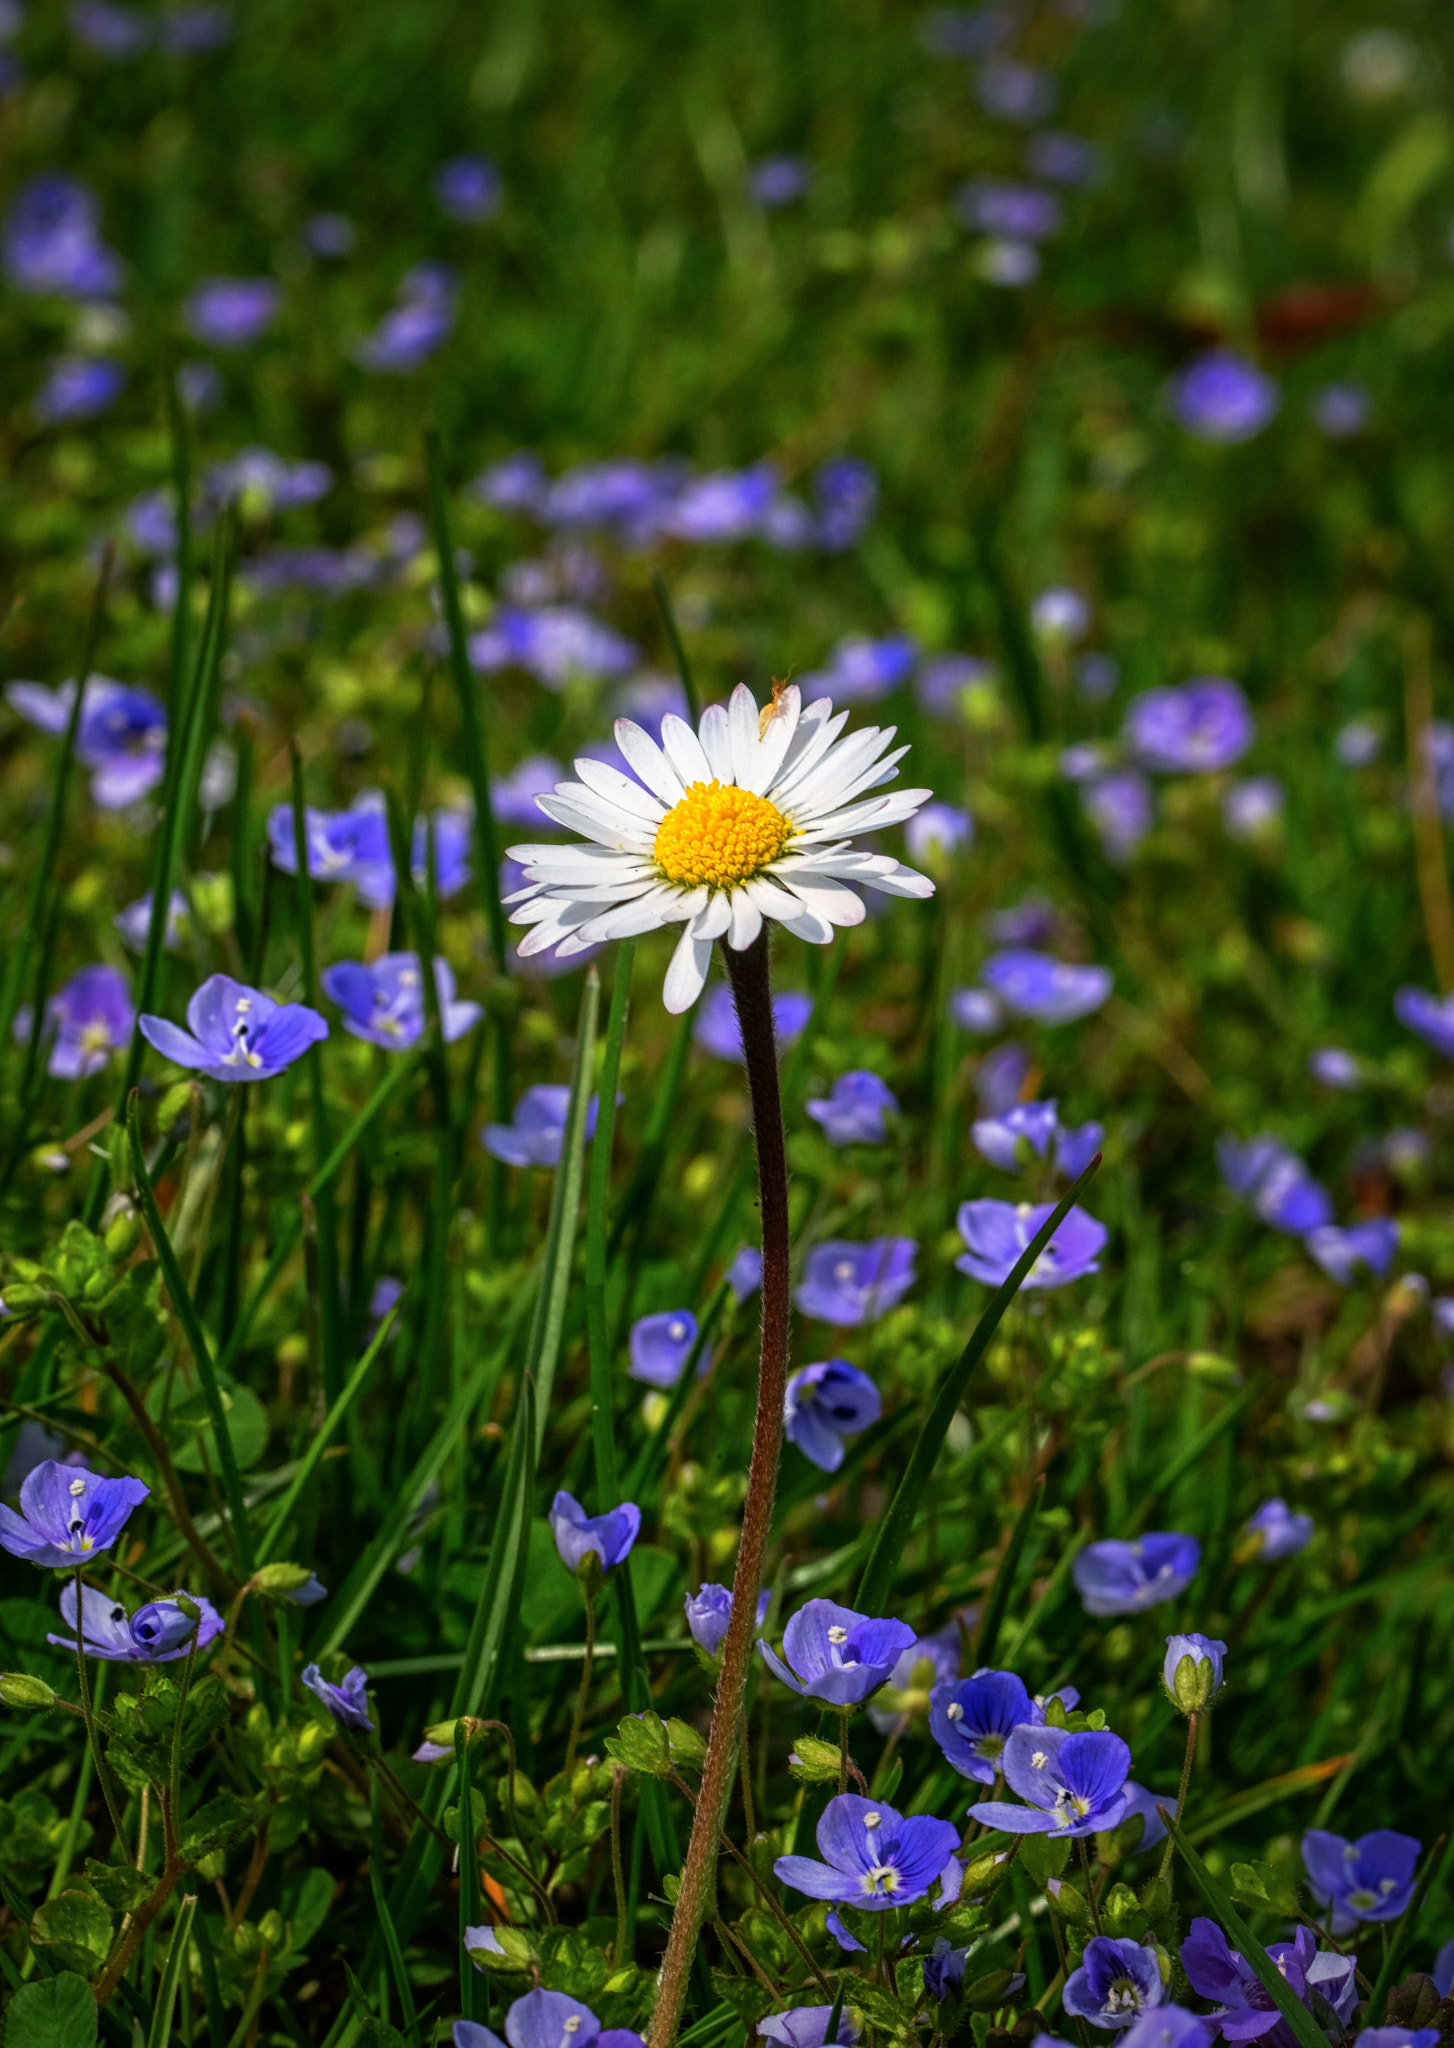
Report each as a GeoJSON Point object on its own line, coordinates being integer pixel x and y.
{"type": "Point", "coordinates": [587, 1666]}
{"type": "Point", "coordinates": [603, 1434]}
{"type": "Point", "coordinates": [1090, 1891]}
{"type": "Point", "coordinates": [89, 1715]}
{"type": "Point", "coordinates": [842, 1753]}
{"type": "Point", "coordinates": [618, 1876]}
{"type": "Point", "coordinates": [1191, 1744]}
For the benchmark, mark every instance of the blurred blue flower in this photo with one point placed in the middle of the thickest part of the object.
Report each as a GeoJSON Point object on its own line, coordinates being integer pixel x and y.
{"type": "Point", "coordinates": [942, 682]}
{"type": "Point", "coordinates": [1000, 1075]}
{"type": "Point", "coordinates": [1443, 1969]}
{"type": "Point", "coordinates": [236, 1033]}
{"type": "Point", "coordinates": [860, 670]}
{"type": "Point", "coordinates": [966, 31]}
{"type": "Point", "coordinates": [538, 1131]}
{"type": "Point", "coordinates": [1009, 265]}
{"type": "Point", "coordinates": [1341, 410]}
{"type": "Point", "coordinates": [512, 796]}
{"type": "Point", "coordinates": [853, 1113]}
{"type": "Point", "coordinates": [263, 482]}
{"type": "Point", "coordinates": [710, 1609]}
{"type": "Point", "coordinates": [198, 386]}
{"type": "Point", "coordinates": [553, 643]}
{"type": "Point", "coordinates": [944, 1968]}
{"type": "Point", "coordinates": [1052, 992]}
{"type": "Point", "coordinates": [726, 506]}
{"type": "Point", "coordinates": [1168, 2026]}
{"type": "Point", "coordinates": [1221, 397]}
{"type": "Point", "coordinates": [468, 188]}
{"type": "Point", "coordinates": [660, 1346]}
{"type": "Point", "coordinates": [607, 1537]}
{"type": "Point", "coordinates": [1251, 810]}
{"type": "Point", "coordinates": [192, 31]}
{"type": "Point", "coordinates": [541, 2019]}
{"type": "Point", "coordinates": [832, 1654]}
{"type": "Point", "coordinates": [1073, 1784]}
{"type": "Point", "coordinates": [232, 312]}
{"type": "Point", "coordinates": [78, 388]}
{"type": "Point", "coordinates": [779, 180]}
{"type": "Point", "coordinates": [120, 33]}
{"type": "Point", "coordinates": [873, 1858]}
{"type": "Point", "coordinates": [418, 325]}
{"type": "Point", "coordinates": [1341, 1252]}
{"type": "Point", "coordinates": [845, 490]}
{"type": "Point", "coordinates": [998, 206]}
{"type": "Point", "coordinates": [1116, 1982]}
{"type": "Point", "coordinates": [1096, 676]}
{"type": "Point", "coordinates": [353, 846]}
{"type": "Point", "coordinates": [825, 1403]}
{"type": "Point", "coordinates": [972, 1719]}
{"type": "Point", "coordinates": [158, 1633]}
{"type": "Point", "coordinates": [848, 1284]}
{"type": "Point", "coordinates": [383, 1000]}
{"type": "Point", "coordinates": [1334, 1067]}
{"type": "Point", "coordinates": [744, 1275]}
{"type": "Point", "coordinates": [937, 832]}
{"type": "Point", "coordinates": [806, 2026]}
{"type": "Point", "coordinates": [330, 235]}
{"type": "Point", "coordinates": [1064, 159]}
{"type": "Point", "coordinates": [929, 1661]}
{"type": "Point", "coordinates": [998, 1138]}
{"type": "Point", "coordinates": [121, 737]}
{"type": "Point", "coordinates": [715, 1026]}
{"type": "Point", "coordinates": [1370, 1879]}
{"type": "Point", "coordinates": [1117, 1577]}
{"type": "Point", "coordinates": [1015, 91]}
{"type": "Point", "coordinates": [309, 1593]}
{"type": "Point", "coordinates": [348, 1703]}
{"type": "Point", "coordinates": [1060, 615]}
{"type": "Point", "coordinates": [998, 1233]}
{"type": "Point", "coordinates": [52, 242]}
{"type": "Point", "coordinates": [1193, 1689]}
{"type": "Point", "coordinates": [87, 1020]}
{"type": "Point", "coordinates": [1194, 728]}
{"type": "Point", "coordinates": [67, 1514]}
{"type": "Point", "coordinates": [1419, 1011]}
{"type": "Point", "coordinates": [976, 1010]}
{"type": "Point", "coordinates": [1396, 2037]}
{"type": "Point", "coordinates": [1358, 743]}
{"type": "Point", "coordinates": [1282, 1533]}
{"type": "Point", "coordinates": [1276, 1181]}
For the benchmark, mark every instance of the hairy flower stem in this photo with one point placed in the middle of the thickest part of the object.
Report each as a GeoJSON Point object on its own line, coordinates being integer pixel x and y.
{"type": "Point", "coordinates": [842, 1754]}
{"type": "Point", "coordinates": [1092, 1896]}
{"type": "Point", "coordinates": [84, 1681]}
{"type": "Point", "coordinates": [1164, 1873]}
{"type": "Point", "coordinates": [622, 1944]}
{"type": "Point", "coordinates": [752, 990]}
{"type": "Point", "coordinates": [587, 1665]}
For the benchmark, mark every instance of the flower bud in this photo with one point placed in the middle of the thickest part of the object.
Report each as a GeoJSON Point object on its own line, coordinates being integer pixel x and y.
{"type": "Point", "coordinates": [1192, 1672]}
{"type": "Point", "coordinates": [123, 1235]}
{"type": "Point", "coordinates": [312, 1742]}
{"type": "Point", "coordinates": [19, 1689]}
{"type": "Point", "coordinates": [274, 1580]}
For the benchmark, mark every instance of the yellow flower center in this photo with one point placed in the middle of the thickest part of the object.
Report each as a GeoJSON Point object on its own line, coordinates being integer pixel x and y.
{"type": "Point", "coordinates": [719, 836]}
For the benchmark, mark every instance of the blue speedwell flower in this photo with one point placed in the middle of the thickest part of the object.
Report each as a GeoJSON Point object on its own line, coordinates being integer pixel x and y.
{"type": "Point", "coordinates": [1431, 1019]}
{"type": "Point", "coordinates": [67, 1514]}
{"type": "Point", "coordinates": [608, 1537]}
{"type": "Point", "coordinates": [847, 1284]}
{"type": "Point", "coordinates": [348, 1702]}
{"type": "Point", "coordinates": [52, 241]}
{"type": "Point", "coordinates": [853, 1113]}
{"type": "Point", "coordinates": [1276, 1182]}
{"type": "Point", "coordinates": [1115, 1577]}
{"type": "Point", "coordinates": [1193, 728]}
{"type": "Point", "coordinates": [538, 1132]}
{"type": "Point", "coordinates": [121, 737]}
{"type": "Point", "coordinates": [353, 846]}
{"type": "Point", "coordinates": [237, 1033]}
{"type": "Point", "coordinates": [383, 1001]}
{"type": "Point", "coordinates": [1035, 985]}
{"type": "Point", "coordinates": [825, 1403]}
{"type": "Point", "coordinates": [134, 922]}
{"type": "Point", "coordinates": [468, 188]}
{"type": "Point", "coordinates": [1074, 1784]}
{"type": "Point", "coordinates": [661, 1345]}
{"type": "Point", "coordinates": [1221, 397]}
{"type": "Point", "coordinates": [158, 1633]}
{"type": "Point", "coordinates": [709, 1611]}
{"type": "Point", "coordinates": [77, 388]}
{"type": "Point", "coordinates": [1167, 2026]}
{"type": "Point", "coordinates": [834, 1655]}
{"type": "Point", "coordinates": [87, 1020]}
{"type": "Point", "coordinates": [1341, 1252]}
{"type": "Point", "coordinates": [1370, 1879]}
{"type": "Point", "coordinates": [744, 1275]}
{"type": "Point", "coordinates": [999, 1233]}
{"type": "Point", "coordinates": [1192, 1671]}
{"type": "Point", "coordinates": [874, 1858]}
{"type": "Point", "coordinates": [715, 1026]}
{"type": "Point", "coordinates": [1245, 2011]}
{"type": "Point", "coordinates": [1117, 1981]}
{"type": "Point", "coordinates": [806, 2026]}
{"type": "Point", "coordinates": [1038, 1124]}
{"type": "Point", "coordinates": [928, 1662]}
{"type": "Point", "coordinates": [231, 312]}
{"type": "Point", "coordinates": [972, 1719]}
{"type": "Point", "coordinates": [543, 2019]}
{"type": "Point", "coordinates": [1279, 1531]}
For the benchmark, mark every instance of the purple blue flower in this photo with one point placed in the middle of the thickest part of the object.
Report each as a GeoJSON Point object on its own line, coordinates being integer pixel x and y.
{"type": "Point", "coordinates": [52, 241]}
{"type": "Point", "coordinates": [1117, 1981]}
{"type": "Point", "coordinates": [117, 33]}
{"type": "Point", "coordinates": [383, 1000]}
{"type": "Point", "coordinates": [1277, 1183]}
{"type": "Point", "coordinates": [860, 670]}
{"type": "Point", "coordinates": [1341, 1252]}
{"type": "Point", "coordinates": [121, 736]}
{"type": "Point", "coordinates": [1117, 1577]}
{"type": "Point", "coordinates": [1397, 2037]}
{"type": "Point", "coordinates": [1120, 807]}
{"type": "Point", "coordinates": [1253, 809]}
{"type": "Point", "coordinates": [541, 2019]}
{"type": "Point", "coordinates": [538, 1132]}
{"type": "Point", "coordinates": [1281, 1533]}
{"type": "Point", "coordinates": [348, 1701]}
{"type": "Point", "coordinates": [67, 1514]}
{"type": "Point", "coordinates": [553, 643]}
{"type": "Point", "coordinates": [661, 1345]}
{"type": "Point", "coordinates": [512, 797]}
{"type": "Point", "coordinates": [608, 1538]}
{"type": "Point", "coordinates": [1195, 728]}
{"type": "Point", "coordinates": [1221, 397]}
{"type": "Point", "coordinates": [1060, 615]}
{"type": "Point", "coordinates": [159, 1632]}
{"type": "Point", "coordinates": [873, 1858]}
{"type": "Point", "coordinates": [468, 188]}
{"type": "Point", "coordinates": [942, 682]}
{"type": "Point", "coordinates": [1425, 1014]}
{"type": "Point", "coordinates": [232, 312]}
{"type": "Point", "coordinates": [824, 1404]}
{"type": "Point", "coordinates": [1168, 2026]}
{"type": "Point", "coordinates": [1052, 992]}
{"type": "Point", "coordinates": [263, 482]}
{"type": "Point", "coordinates": [1014, 91]}
{"type": "Point", "coordinates": [744, 1275]}
{"type": "Point", "coordinates": [134, 922]}
{"type": "Point", "coordinates": [87, 1020]}
{"type": "Point", "coordinates": [937, 832]}
{"type": "Point", "coordinates": [329, 235]}
{"type": "Point", "coordinates": [999, 1233]}
{"type": "Point", "coordinates": [778, 180]}
{"type": "Point", "coordinates": [1370, 1879]}
{"type": "Point", "coordinates": [1063, 159]}
{"type": "Point", "coordinates": [848, 1284]}
{"type": "Point", "coordinates": [726, 506]}
{"type": "Point", "coordinates": [78, 388]}
{"type": "Point", "coordinates": [1139, 1800]}
{"type": "Point", "coordinates": [1245, 2011]}
{"type": "Point", "coordinates": [998, 206]}
{"type": "Point", "coordinates": [972, 1719]}
{"type": "Point", "coordinates": [831, 1654]}
{"type": "Point", "coordinates": [976, 1010]}
{"type": "Point", "coordinates": [1191, 1671]}
{"type": "Point", "coordinates": [853, 1113]}
{"type": "Point", "coordinates": [417, 326]}
{"type": "Point", "coordinates": [715, 1026]}
{"type": "Point", "coordinates": [1341, 410]}
{"type": "Point", "coordinates": [806, 2026]}
{"type": "Point", "coordinates": [1073, 1784]}
{"type": "Point", "coordinates": [1334, 1067]}
{"type": "Point", "coordinates": [929, 1661]}
{"type": "Point", "coordinates": [236, 1033]}
{"type": "Point", "coordinates": [708, 1612]}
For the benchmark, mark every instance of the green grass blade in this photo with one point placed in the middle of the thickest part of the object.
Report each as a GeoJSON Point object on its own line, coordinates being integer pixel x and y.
{"type": "Point", "coordinates": [186, 1314]}
{"type": "Point", "coordinates": [893, 1535]}
{"type": "Point", "coordinates": [565, 1203]}
{"type": "Point", "coordinates": [1243, 1805]}
{"type": "Point", "coordinates": [387, 1929]}
{"type": "Point", "coordinates": [160, 2032]}
{"type": "Point", "coordinates": [603, 1425]}
{"type": "Point", "coordinates": [328, 1297]}
{"type": "Point", "coordinates": [1004, 1581]}
{"type": "Point", "coordinates": [316, 1448]}
{"type": "Point", "coordinates": [1305, 2027]}
{"type": "Point", "coordinates": [469, 1871]}
{"type": "Point", "coordinates": [217, 2029]}
{"type": "Point", "coordinates": [181, 450]}
{"type": "Point", "coordinates": [1186, 1460]}
{"type": "Point", "coordinates": [507, 1548]}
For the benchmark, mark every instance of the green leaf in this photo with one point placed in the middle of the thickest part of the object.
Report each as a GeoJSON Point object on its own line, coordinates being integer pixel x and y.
{"type": "Point", "coordinates": [214, 1826]}
{"type": "Point", "coordinates": [60, 2012]}
{"type": "Point", "coordinates": [893, 1535]}
{"type": "Point", "coordinates": [640, 1744]}
{"type": "Point", "coordinates": [745, 1996]}
{"type": "Point", "coordinates": [73, 1930]}
{"type": "Point", "coordinates": [1306, 2029]}
{"type": "Point", "coordinates": [1041, 1859]}
{"type": "Point", "coordinates": [1262, 1889]}
{"type": "Point", "coordinates": [177, 1949]}
{"type": "Point", "coordinates": [117, 1884]}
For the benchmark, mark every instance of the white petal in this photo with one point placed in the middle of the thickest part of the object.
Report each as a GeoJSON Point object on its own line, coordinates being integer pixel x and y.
{"type": "Point", "coordinates": [573, 867]}
{"type": "Point", "coordinates": [620, 833]}
{"type": "Point", "coordinates": [830, 899]}
{"type": "Point", "coordinates": [746, 921]}
{"type": "Point", "coordinates": [742, 718]}
{"type": "Point", "coordinates": [712, 922]}
{"type": "Point", "coordinates": [837, 859]}
{"type": "Point", "coordinates": [872, 777]}
{"type": "Point", "coordinates": [687, 975]}
{"type": "Point", "coordinates": [684, 750]}
{"type": "Point", "coordinates": [616, 788]}
{"type": "Point", "coordinates": [628, 920]}
{"type": "Point", "coordinates": [609, 892]}
{"type": "Point", "coordinates": [874, 814]}
{"type": "Point", "coordinates": [770, 898]}
{"type": "Point", "coordinates": [717, 741]}
{"type": "Point", "coordinates": [541, 911]}
{"type": "Point", "coordinates": [813, 740]}
{"type": "Point", "coordinates": [645, 756]}
{"type": "Point", "coordinates": [546, 850]}
{"type": "Point", "coordinates": [545, 936]}
{"type": "Point", "coordinates": [821, 788]}
{"type": "Point", "coordinates": [773, 747]}
{"type": "Point", "coordinates": [902, 882]}
{"type": "Point", "coordinates": [808, 925]}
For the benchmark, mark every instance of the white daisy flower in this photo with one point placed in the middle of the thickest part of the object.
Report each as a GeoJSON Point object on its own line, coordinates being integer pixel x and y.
{"type": "Point", "coordinates": [747, 818]}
